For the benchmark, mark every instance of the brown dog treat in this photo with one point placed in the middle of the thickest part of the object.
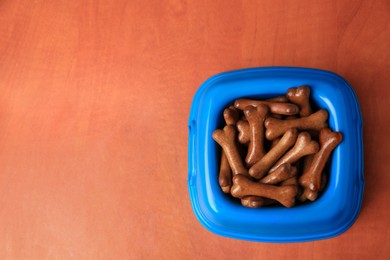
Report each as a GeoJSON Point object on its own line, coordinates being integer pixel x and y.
{"type": "Point", "coordinates": [306, 164]}
{"type": "Point", "coordinates": [277, 127]}
{"type": "Point", "coordinates": [282, 173]}
{"type": "Point", "coordinates": [311, 178]}
{"type": "Point", "coordinates": [226, 139]}
{"type": "Point", "coordinates": [259, 169]}
{"type": "Point", "coordinates": [275, 142]}
{"type": "Point", "coordinates": [231, 115]}
{"type": "Point", "coordinates": [243, 131]}
{"type": "Point", "coordinates": [291, 181]}
{"type": "Point", "coordinates": [242, 187]}
{"type": "Point", "coordinates": [311, 195]}
{"type": "Point", "coordinates": [274, 107]}
{"type": "Point", "coordinates": [300, 96]}
{"type": "Point", "coordinates": [225, 174]}
{"type": "Point", "coordinates": [252, 201]}
{"type": "Point", "coordinates": [257, 202]}
{"type": "Point", "coordinates": [307, 194]}
{"type": "Point", "coordinates": [304, 146]}
{"type": "Point", "coordinates": [307, 160]}
{"type": "Point", "coordinates": [281, 99]}
{"type": "Point", "coordinates": [300, 196]}
{"type": "Point", "coordinates": [255, 117]}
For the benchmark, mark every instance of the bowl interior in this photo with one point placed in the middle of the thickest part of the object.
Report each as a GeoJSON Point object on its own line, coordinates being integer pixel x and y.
{"type": "Point", "coordinates": [221, 123]}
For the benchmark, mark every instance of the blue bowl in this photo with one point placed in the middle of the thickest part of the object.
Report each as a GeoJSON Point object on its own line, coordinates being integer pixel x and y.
{"type": "Point", "coordinates": [337, 207]}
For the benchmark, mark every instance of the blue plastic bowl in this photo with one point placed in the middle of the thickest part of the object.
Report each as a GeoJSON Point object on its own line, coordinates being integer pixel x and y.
{"type": "Point", "coordinates": [337, 207]}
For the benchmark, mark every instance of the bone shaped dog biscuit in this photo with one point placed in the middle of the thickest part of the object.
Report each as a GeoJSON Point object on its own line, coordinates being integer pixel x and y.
{"type": "Point", "coordinates": [243, 131]}
{"type": "Point", "coordinates": [291, 181]}
{"type": "Point", "coordinates": [300, 96]}
{"type": "Point", "coordinates": [252, 201]}
{"type": "Point", "coordinates": [276, 127]}
{"type": "Point", "coordinates": [231, 117]}
{"type": "Point", "coordinates": [255, 117]}
{"type": "Point", "coordinates": [259, 169]}
{"type": "Point", "coordinates": [304, 146]}
{"type": "Point", "coordinates": [225, 174]}
{"type": "Point", "coordinates": [274, 107]}
{"type": "Point", "coordinates": [308, 194]}
{"type": "Point", "coordinates": [282, 173]}
{"type": "Point", "coordinates": [311, 179]}
{"type": "Point", "coordinates": [281, 99]}
{"type": "Point", "coordinates": [242, 187]}
{"type": "Point", "coordinates": [226, 139]}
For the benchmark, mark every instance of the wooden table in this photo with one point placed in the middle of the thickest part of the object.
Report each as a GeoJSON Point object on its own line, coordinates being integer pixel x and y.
{"type": "Point", "coordinates": [94, 102]}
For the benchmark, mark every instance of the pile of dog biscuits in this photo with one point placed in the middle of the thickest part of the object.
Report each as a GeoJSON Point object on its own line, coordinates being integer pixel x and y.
{"type": "Point", "coordinates": [274, 151]}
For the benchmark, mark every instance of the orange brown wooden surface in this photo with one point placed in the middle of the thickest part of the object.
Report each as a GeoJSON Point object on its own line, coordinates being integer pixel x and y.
{"type": "Point", "coordinates": [94, 101]}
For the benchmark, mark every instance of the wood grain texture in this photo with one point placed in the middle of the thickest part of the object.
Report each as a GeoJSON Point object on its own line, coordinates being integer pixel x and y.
{"type": "Point", "coordinates": [94, 101]}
